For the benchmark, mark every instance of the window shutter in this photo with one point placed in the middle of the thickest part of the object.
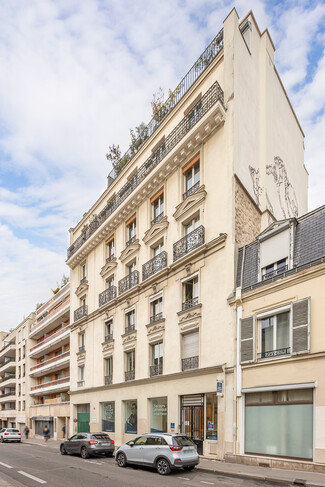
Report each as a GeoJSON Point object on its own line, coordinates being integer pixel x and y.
{"type": "Point", "coordinates": [191, 345]}
{"type": "Point", "coordinates": [247, 340]}
{"type": "Point", "coordinates": [301, 326]}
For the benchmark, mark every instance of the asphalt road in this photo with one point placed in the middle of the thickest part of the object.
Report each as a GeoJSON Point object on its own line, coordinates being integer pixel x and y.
{"type": "Point", "coordinates": [42, 464]}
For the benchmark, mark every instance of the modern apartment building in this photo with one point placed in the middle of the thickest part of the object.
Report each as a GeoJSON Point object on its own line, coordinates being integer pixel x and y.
{"type": "Point", "coordinates": [281, 342]}
{"type": "Point", "coordinates": [153, 261]}
{"type": "Point", "coordinates": [49, 365]}
{"type": "Point", "coordinates": [14, 379]}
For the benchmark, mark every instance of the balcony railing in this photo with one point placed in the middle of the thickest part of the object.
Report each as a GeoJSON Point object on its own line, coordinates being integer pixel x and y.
{"type": "Point", "coordinates": [108, 380]}
{"type": "Point", "coordinates": [80, 383]}
{"type": "Point", "coordinates": [83, 280]}
{"type": "Point", "coordinates": [190, 363]}
{"type": "Point", "coordinates": [51, 360]}
{"type": "Point", "coordinates": [107, 296]}
{"type": "Point", "coordinates": [11, 393]}
{"type": "Point", "coordinates": [6, 346]}
{"type": "Point", "coordinates": [51, 383]}
{"type": "Point", "coordinates": [154, 265]}
{"type": "Point", "coordinates": [80, 312]}
{"type": "Point", "coordinates": [157, 218]}
{"type": "Point", "coordinates": [128, 282]}
{"type": "Point", "coordinates": [50, 315]}
{"type": "Point", "coordinates": [209, 99]}
{"type": "Point", "coordinates": [50, 337]}
{"type": "Point", "coordinates": [156, 317]}
{"type": "Point", "coordinates": [129, 329]}
{"type": "Point", "coordinates": [189, 303]}
{"type": "Point", "coordinates": [274, 353]}
{"type": "Point", "coordinates": [189, 79]}
{"type": "Point", "coordinates": [131, 240]}
{"type": "Point", "coordinates": [275, 272]}
{"type": "Point", "coordinates": [108, 337]}
{"type": "Point", "coordinates": [12, 376]}
{"type": "Point", "coordinates": [129, 375]}
{"type": "Point", "coordinates": [156, 369]}
{"type": "Point", "coordinates": [188, 243]}
{"type": "Point", "coordinates": [191, 190]}
{"type": "Point", "coordinates": [82, 348]}
{"type": "Point", "coordinates": [110, 258]}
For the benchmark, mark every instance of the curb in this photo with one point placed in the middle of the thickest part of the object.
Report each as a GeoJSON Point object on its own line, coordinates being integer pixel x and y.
{"type": "Point", "coordinates": [244, 475]}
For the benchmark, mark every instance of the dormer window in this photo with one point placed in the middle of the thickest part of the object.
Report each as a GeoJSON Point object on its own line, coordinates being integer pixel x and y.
{"type": "Point", "coordinates": [274, 269]}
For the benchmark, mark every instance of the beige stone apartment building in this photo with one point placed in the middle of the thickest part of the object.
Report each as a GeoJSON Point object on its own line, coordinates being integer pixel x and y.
{"type": "Point", "coordinates": [49, 370]}
{"type": "Point", "coordinates": [153, 261]}
{"type": "Point", "coordinates": [281, 344]}
{"type": "Point", "coordinates": [14, 378]}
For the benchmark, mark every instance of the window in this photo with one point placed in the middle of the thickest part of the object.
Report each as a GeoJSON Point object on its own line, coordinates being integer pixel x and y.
{"type": "Point", "coordinates": [211, 413]}
{"type": "Point", "coordinates": [24, 350]}
{"type": "Point", "coordinates": [190, 351]}
{"type": "Point", "coordinates": [131, 417]}
{"type": "Point", "coordinates": [156, 309]}
{"type": "Point", "coordinates": [274, 269]}
{"type": "Point", "coordinates": [132, 267]}
{"type": "Point", "coordinates": [157, 204]}
{"type": "Point", "coordinates": [131, 227]}
{"type": "Point", "coordinates": [24, 405]}
{"type": "Point", "coordinates": [156, 359]}
{"type": "Point", "coordinates": [191, 176]}
{"type": "Point", "coordinates": [190, 292]}
{"type": "Point", "coordinates": [19, 354]}
{"type": "Point", "coordinates": [81, 373]}
{"type": "Point", "coordinates": [24, 370]}
{"type": "Point", "coordinates": [108, 416]}
{"type": "Point", "coordinates": [24, 332]}
{"type": "Point", "coordinates": [110, 282]}
{"type": "Point", "coordinates": [158, 415]}
{"type": "Point", "coordinates": [192, 225]}
{"type": "Point", "coordinates": [110, 249]}
{"type": "Point", "coordinates": [157, 249]}
{"type": "Point", "coordinates": [130, 365]}
{"type": "Point", "coordinates": [108, 370]}
{"type": "Point", "coordinates": [19, 336]}
{"type": "Point", "coordinates": [130, 321]}
{"type": "Point", "coordinates": [275, 335]}
{"type": "Point", "coordinates": [81, 342]}
{"type": "Point", "coordinates": [83, 271]}
{"type": "Point", "coordinates": [108, 330]}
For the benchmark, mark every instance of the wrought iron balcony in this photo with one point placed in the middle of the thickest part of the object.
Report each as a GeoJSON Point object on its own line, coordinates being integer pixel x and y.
{"type": "Point", "coordinates": [10, 376]}
{"type": "Point", "coordinates": [128, 282]}
{"type": "Point", "coordinates": [157, 218]}
{"type": "Point", "coordinates": [107, 296]}
{"type": "Point", "coordinates": [189, 303]}
{"type": "Point", "coordinates": [83, 280]}
{"type": "Point", "coordinates": [191, 190]}
{"type": "Point", "coordinates": [82, 348]}
{"type": "Point", "coordinates": [156, 369]}
{"type": "Point", "coordinates": [208, 100]}
{"type": "Point", "coordinates": [132, 240]}
{"type": "Point", "coordinates": [108, 380]}
{"type": "Point", "coordinates": [190, 363]}
{"type": "Point", "coordinates": [188, 243]}
{"type": "Point", "coordinates": [129, 329]}
{"type": "Point", "coordinates": [129, 375]}
{"type": "Point", "coordinates": [156, 317]}
{"type": "Point", "coordinates": [275, 272]}
{"type": "Point", "coordinates": [108, 337]}
{"type": "Point", "coordinates": [110, 258]}
{"type": "Point", "coordinates": [80, 312]}
{"type": "Point", "coordinates": [154, 265]}
{"type": "Point", "coordinates": [274, 353]}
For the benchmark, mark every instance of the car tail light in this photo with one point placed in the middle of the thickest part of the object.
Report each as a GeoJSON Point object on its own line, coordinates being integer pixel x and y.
{"type": "Point", "coordinates": [176, 448]}
{"type": "Point", "coordinates": [19, 434]}
{"type": "Point", "coordinates": [6, 434]}
{"type": "Point", "coordinates": [92, 442]}
{"type": "Point", "coordinates": [112, 442]}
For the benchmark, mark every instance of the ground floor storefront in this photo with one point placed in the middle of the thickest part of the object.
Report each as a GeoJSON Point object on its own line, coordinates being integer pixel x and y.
{"type": "Point", "coordinates": [55, 417]}
{"type": "Point", "coordinates": [186, 403]}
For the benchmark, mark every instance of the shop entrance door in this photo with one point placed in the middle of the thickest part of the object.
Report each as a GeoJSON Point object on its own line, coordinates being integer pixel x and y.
{"type": "Point", "coordinates": [192, 419]}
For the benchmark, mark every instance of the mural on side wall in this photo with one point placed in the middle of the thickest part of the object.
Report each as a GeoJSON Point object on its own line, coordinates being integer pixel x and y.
{"type": "Point", "coordinates": [286, 193]}
{"type": "Point", "coordinates": [255, 175]}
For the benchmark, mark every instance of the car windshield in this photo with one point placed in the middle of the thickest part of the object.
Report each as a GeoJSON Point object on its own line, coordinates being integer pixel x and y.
{"type": "Point", "coordinates": [100, 436]}
{"type": "Point", "coordinates": [182, 441]}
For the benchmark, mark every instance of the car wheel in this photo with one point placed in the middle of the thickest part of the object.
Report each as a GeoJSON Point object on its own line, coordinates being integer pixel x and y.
{"type": "Point", "coordinates": [163, 467]}
{"type": "Point", "coordinates": [121, 460]}
{"type": "Point", "coordinates": [63, 451]}
{"type": "Point", "coordinates": [109, 454]}
{"type": "Point", "coordinates": [19, 441]}
{"type": "Point", "coordinates": [189, 468]}
{"type": "Point", "coordinates": [84, 453]}
{"type": "Point", "coordinates": [2, 440]}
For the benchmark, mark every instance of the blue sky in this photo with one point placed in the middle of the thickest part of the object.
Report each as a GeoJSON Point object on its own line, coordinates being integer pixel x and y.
{"type": "Point", "coordinates": [76, 76]}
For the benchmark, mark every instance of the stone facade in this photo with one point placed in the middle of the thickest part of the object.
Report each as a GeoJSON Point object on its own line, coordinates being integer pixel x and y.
{"type": "Point", "coordinates": [247, 216]}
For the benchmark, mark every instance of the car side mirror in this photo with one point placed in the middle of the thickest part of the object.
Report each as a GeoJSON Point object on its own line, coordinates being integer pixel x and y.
{"type": "Point", "coordinates": [131, 443]}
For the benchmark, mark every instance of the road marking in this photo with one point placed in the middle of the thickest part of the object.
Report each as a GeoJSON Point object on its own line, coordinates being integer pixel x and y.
{"type": "Point", "coordinates": [183, 478]}
{"type": "Point", "coordinates": [204, 482]}
{"type": "Point", "coordinates": [5, 465]}
{"type": "Point", "coordinates": [94, 463]}
{"type": "Point", "coordinates": [40, 481]}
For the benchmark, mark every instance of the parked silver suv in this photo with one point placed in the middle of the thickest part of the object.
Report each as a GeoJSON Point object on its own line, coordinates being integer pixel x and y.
{"type": "Point", "coordinates": [163, 451]}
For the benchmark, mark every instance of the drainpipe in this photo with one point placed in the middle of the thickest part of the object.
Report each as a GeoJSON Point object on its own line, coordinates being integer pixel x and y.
{"type": "Point", "coordinates": [239, 310]}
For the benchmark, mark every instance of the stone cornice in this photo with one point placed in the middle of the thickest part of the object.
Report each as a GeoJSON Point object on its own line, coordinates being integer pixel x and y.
{"type": "Point", "coordinates": [209, 123]}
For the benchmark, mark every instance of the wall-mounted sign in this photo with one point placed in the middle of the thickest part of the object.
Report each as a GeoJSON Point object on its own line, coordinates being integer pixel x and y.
{"type": "Point", "coordinates": [219, 387]}
{"type": "Point", "coordinates": [172, 426]}
{"type": "Point", "coordinates": [75, 421]}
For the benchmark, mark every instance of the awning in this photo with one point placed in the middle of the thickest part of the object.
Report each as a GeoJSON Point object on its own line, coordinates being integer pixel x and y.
{"type": "Point", "coordinates": [42, 418]}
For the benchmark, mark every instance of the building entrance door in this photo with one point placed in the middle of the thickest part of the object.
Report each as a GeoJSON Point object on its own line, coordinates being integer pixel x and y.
{"type": "Point", "coordinates": [83, 418]}
{"type": "Point", "coordinates": [192, 419]}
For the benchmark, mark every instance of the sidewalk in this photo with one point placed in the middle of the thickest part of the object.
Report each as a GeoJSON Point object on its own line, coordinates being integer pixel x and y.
{"type": "Point", "coordinates": [276, 475]}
